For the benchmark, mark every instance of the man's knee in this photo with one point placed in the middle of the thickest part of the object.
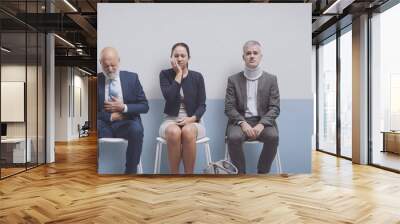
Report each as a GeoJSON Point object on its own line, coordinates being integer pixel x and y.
{"type": "Point", "coordinates": [104, 130]}
{"type": "Point", "coordinates": [235, 136]}
{"type": "Point", "coordinates": [135, 129]}
{"type": "Point", "coordinates": [269, 135]}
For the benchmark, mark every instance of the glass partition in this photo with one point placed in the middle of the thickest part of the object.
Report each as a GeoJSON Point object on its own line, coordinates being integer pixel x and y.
{"type": "Point", "coordinates": [327, 96]}
{"type": "Point", "coordinates": [385, 89]}
{"type": "Point", "coordinates": [13, 105]}
{"type": "Point", "coordinates": [346, 93]}
{"type": "Point", "coordinates": [22, 88]}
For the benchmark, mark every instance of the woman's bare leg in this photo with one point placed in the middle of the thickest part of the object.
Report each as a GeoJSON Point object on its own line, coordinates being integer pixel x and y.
{"type": "Point", "coordinates": [189, 135]}
{"type": "Point", "coordinates": [173, 136]}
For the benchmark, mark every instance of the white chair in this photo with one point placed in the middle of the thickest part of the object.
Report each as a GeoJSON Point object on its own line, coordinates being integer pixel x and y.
{"type": "Point", "coordinates": [112, 156]}
{"type": "Point", "coordinates": [161, 141]}
{"type": "Point", "coordinates": [140, 167]}
{"type": "Point", "coordinates": [277, 157]}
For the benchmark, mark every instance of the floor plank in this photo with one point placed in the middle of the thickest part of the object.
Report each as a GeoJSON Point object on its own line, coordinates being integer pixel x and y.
{"type": "Point", "coordinates": [70, 191]}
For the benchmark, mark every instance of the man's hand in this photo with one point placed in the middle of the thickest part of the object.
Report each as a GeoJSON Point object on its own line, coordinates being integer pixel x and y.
{"type": "Point", "coordinates": [248, 130]}
{"type": "Point", "coordinates": [116, 105]}
{"type": "Point", "coordinates": [258, 129]}
{"type": "Point", "coordinates": [186, 120]}
{"type": "Point", "coordinates": [116, 116]}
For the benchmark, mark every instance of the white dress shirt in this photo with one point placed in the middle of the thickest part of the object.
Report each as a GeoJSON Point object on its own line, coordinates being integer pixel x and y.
{"type": "Point", "coordinates": [252, 86]}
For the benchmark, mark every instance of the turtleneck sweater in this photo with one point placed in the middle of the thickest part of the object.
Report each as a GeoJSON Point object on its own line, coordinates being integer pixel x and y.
{"type": "Point", "coordinates": [252, 76]}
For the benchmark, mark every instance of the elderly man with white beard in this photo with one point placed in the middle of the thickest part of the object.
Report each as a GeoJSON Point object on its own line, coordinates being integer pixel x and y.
{"type": "Point", "coordinates": [121, 100]}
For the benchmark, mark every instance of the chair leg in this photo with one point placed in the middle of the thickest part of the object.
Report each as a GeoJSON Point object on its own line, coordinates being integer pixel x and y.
{"type": "Point", "coordinates": [140, 167]}
{"type": "Point", "coordinates": [226, 151]}
{"type": "Point", "coordinates": [278, 163]}
{"type": "Point", "coordinates": [156, 159]}
{"type": "Point", "coordinates": [207, 152]}
{"type": "Point", "coordinates": [160, 147]}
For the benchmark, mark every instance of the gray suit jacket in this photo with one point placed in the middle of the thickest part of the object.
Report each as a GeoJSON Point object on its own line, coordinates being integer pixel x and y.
{"type": "Point", "coordinates": [268, 100]}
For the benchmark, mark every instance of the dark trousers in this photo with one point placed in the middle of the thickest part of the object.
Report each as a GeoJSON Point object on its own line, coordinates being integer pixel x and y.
{"type": "Point", "coordinates": [235, 137]}
{"type": "Point", "coordinates": [131, 130]}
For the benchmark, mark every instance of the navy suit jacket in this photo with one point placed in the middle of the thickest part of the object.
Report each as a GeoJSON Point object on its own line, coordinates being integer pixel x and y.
{"type": "Point", "coordinates": [193, 91]}
{"type": "Point", "coordinates": [132, 92]}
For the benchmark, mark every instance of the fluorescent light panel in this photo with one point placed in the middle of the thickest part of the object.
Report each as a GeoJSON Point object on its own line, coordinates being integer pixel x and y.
{"type": "Point", "coordinates": [5, 50]}
{"type": "Point", "coordinates": [70, 5]}
{"type": "Point", "coordinates": [338, 6]}
{"type": "Point", "coordinates": [65, 41]}
{"type": "Point", "coordinates": [86, 72]}
{"type": "Point", "coordinates": [331, 7]}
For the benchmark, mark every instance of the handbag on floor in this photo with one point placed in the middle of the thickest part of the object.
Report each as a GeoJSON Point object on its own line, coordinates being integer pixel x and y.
{"type": "Point", "coordinates": [221, 167]}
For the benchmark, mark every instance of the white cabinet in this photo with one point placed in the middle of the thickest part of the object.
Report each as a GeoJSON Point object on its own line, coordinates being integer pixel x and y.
{"type": "Point", "coordinates": [18, 149]}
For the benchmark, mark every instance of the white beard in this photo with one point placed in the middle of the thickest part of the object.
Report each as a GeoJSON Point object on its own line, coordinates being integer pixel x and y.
{"type": "Point", "coordinates": [111, 75]}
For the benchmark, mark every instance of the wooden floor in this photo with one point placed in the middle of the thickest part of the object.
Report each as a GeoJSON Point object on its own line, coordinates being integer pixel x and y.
{"type": "Point", "coordinates": [70, 191]}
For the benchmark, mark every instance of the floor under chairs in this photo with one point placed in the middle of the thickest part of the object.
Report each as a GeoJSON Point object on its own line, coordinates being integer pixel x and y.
{"type": "Point", "coordinates": [71, 191]}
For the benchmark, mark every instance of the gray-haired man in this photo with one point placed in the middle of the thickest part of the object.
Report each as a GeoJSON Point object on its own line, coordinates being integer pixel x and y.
{"type": "Point", "coordinates": [252, 105]}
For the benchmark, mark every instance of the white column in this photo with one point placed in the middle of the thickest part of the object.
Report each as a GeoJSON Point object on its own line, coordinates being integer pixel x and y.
{"type": "Point", "coordinates": [360, 90]}
{"type": "Point", "coordinates": [50, 101]}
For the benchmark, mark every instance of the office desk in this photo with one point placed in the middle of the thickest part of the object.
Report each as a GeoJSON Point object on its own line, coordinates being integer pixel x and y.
{"type": "Point", "coordinates": [391, 141]}
{"type": "Point", "coordinates": [13, 150]}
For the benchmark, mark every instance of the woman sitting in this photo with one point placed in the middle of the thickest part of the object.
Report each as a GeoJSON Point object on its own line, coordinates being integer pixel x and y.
{"type": "Point", "coordinates": [185, 97]}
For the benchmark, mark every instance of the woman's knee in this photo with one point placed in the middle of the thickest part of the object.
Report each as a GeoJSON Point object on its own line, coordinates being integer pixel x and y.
{"type": "Point", "coordinates": [189, 132]}
{"type": "Point", "coordinates": [173, 132]}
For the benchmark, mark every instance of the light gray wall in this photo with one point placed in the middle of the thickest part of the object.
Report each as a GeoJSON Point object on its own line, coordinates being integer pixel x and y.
{"type": "Point", "coordinates": [144, 34]}
{"type": "Point", "coordinates": [68, 81]}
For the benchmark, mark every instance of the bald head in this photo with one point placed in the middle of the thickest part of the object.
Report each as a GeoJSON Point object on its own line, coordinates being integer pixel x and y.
{"type": "Point", "coordinates": [109, 60]}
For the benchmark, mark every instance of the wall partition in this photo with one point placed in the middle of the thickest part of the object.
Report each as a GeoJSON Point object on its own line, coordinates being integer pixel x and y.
{"type": "Point", "coordinates": [334, 91]}
{"type": "Point", "coordinates": [22, 79]}
{"type": "Point", "coordinates": [327, 95]}
{"type": "Point", "coordinates": [385, 89]}
{"type": "Point", "coordinates": [215, 35]}
{"type": "Point", "coordinates": [346, 76]}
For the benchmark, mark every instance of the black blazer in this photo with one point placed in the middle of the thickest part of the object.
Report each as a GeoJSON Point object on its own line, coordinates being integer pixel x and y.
{"type": "Point", "coordinates": [193, 91]}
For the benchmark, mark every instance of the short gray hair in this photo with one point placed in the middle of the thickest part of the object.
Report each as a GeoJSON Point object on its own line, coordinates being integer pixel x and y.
{"type": "Point", "coordinates": [250, 43]}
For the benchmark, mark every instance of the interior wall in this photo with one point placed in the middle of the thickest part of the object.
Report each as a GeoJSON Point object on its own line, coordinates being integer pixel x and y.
{"type": "Point", "coordinates": [17, 72]}
{"type": "Point", "coordinates": [215, 34]}
{"type": "Point", "coordinates": [71, 102]}
{"type": "Point", "coordinates": [92, 101]}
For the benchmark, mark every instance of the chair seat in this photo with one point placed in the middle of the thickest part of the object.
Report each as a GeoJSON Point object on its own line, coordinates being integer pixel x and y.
{"type": "Point", "coordinates": [114, 160]}
{"type": "Point", "coordinates": [198, 141]}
